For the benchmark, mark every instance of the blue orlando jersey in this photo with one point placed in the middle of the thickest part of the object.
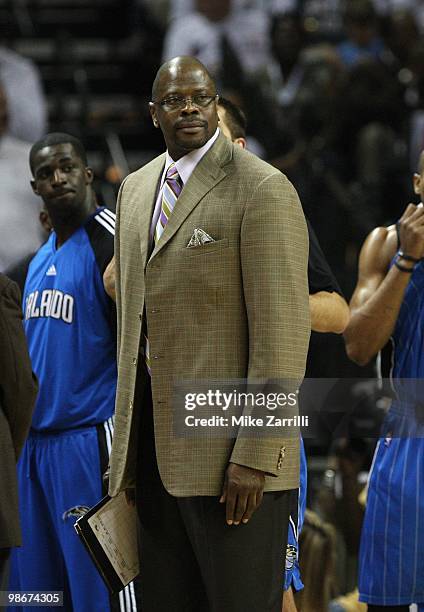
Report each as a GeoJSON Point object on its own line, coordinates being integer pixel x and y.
{"type": "Point", "coordinates": [408, 356]}
{"type": "Point", "coordinates": [408, 339]}
{"type": "Point", "coordinates": [70, 327]}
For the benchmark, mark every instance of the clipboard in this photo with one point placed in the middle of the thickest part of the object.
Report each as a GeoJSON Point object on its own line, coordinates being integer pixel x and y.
{"type": "Point", "coordinates": [109, 534]}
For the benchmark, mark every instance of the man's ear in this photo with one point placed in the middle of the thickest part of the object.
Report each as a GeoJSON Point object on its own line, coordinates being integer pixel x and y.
{"type": "Point", "coordinates": [241, 142]}
{"type": "Point", "coordinates": [152, 110]}
{"type": "Point", "coordinates": [34, 188]}
{"type": "Point", "coordinates": [89, 175]}
{"type": "Point", "coordinates": [45, 220]}
{"type": "Point", "coordinates": [417, 183]}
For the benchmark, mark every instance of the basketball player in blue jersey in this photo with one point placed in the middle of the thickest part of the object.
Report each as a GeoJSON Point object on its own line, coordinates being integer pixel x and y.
{"type": "Point", "coordinates": [388, 304]}
{"type": "Point", "coordinates": [70, 327]}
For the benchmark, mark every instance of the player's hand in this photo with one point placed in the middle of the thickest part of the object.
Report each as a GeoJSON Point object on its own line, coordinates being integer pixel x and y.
{"type": "Point", "coordinates": [109, 279]}
{"type": "Point", "coordinates": [411, 231]}
{"type": "Point", "coordinates": [242, 492]}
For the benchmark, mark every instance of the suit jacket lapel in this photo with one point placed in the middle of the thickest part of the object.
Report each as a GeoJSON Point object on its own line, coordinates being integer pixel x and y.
{"type": "Point", "coordinates": [208, 173]}
{"type": "Point", "coordinates": [148, 197]}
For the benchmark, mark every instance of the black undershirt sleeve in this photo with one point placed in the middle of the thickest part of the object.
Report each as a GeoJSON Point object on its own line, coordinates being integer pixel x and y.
{"type": "Point", "coordinates": [320, 276]}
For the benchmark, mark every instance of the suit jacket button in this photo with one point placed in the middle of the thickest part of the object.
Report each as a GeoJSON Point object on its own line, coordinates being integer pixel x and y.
{"type": "Point", "coordinates": [140, 315]}
{"type": "Point", "coordinates": [131, 405]}
{"type": "Point", "coordinates": [134, 361]}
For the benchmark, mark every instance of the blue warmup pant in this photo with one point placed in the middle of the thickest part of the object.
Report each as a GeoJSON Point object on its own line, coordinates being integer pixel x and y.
{"type": "Point", "coordinates": [60, 477]}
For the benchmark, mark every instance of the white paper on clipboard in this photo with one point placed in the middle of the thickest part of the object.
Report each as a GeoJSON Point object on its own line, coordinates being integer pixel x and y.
{"type": "Point", "coordinates": [115, 527]}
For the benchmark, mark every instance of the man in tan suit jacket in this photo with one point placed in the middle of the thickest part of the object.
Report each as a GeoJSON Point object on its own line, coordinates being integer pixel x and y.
{"type": "Point", "coordinates": [233, 305]}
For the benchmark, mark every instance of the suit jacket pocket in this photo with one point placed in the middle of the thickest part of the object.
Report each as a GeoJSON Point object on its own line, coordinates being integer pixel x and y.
{"type": "Point", "coordinates": [209, 247]}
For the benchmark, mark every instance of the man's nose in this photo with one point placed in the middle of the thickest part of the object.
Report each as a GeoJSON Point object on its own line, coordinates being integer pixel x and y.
{"type": "Point", "coordinates": [189, 106]}
{"type": "Point", "coordinates": [58, 177]}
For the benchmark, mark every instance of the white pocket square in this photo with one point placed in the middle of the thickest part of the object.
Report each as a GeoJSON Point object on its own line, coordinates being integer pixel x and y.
{"type": "Point", "coordinates": [198, 238]}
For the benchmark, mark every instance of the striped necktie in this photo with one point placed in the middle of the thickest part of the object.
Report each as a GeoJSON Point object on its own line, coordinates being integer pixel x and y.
{"type": "Point", "coordinates": [171, 190]}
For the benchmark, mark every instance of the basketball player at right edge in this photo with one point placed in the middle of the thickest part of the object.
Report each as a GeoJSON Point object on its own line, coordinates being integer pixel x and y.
{"type": "Point", "coordinates": [388, 304]}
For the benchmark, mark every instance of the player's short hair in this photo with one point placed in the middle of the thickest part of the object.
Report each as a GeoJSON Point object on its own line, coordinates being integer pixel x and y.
{"type": "Point", "coordinates": [235, 118]}
{"type": "Point", "coordinates": [55, 138]}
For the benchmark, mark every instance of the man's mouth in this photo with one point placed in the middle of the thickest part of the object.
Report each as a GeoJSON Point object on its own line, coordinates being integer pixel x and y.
{"type": "Point", "coordinates": [61, 194]}
{"type": "Point", "coordinates": [191, 127]}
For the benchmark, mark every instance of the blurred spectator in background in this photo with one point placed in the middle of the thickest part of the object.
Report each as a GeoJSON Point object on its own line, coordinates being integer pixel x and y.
{"type": "Point", "coordinates": [401, 33]}
{"type": "Point", "coordinates": [362, 36]}
{"type": "Point", "coordinates": [285, 70]}
{"type": "Point", "coordinates": [20, 231]}
{"type": "Point", "coordinates": [368, 135]}
{"type": "Point", "coordinates": [175, 9]}
{"type": "Point", "coordinates": [322, 18]}
{"type": "Point", "coordinates": [214, 25]}
{"type": "Point", "coordinates": [304, 149]}
{"type": "Point", "coordinates": [27, 105]}
{"type": "Point", "coordinates": [387, 7]}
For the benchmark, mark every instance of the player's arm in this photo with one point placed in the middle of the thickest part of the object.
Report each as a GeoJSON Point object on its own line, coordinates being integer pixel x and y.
{"type": "Point", "coordinates": [329, 312]}
{"type": "Point", "coordinates": [379, 293]}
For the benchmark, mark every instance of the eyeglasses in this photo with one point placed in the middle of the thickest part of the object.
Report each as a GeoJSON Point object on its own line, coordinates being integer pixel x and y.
{"type": "Point", "coordinates": [178, 102]}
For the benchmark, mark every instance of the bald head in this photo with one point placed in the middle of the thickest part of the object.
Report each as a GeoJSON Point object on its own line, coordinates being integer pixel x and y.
{"type": "Point", "coordinates": [177, 68]}
{"type": "Point", "coordinates": [184, 105]}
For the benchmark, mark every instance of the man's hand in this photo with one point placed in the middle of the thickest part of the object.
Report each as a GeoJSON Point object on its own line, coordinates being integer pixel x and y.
{"type": "Point", "coordinates": [109, 279]}
{"type": "Point", "coordinates": [411, 231]}
{"type": "Point", "coordinates": [242, 492]}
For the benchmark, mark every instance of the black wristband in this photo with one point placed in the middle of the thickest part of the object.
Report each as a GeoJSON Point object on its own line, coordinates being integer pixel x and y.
{"type": "Point", "coordinates": [403, 255]}
{"type": "Point", "coordinates": [403, 268]}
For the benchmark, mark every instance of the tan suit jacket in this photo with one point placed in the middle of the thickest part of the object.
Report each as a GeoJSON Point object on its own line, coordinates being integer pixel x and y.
{"type": "Point", "coordinates": [230, 309]}
{"type": "Point", "coordinates": [18, 390]}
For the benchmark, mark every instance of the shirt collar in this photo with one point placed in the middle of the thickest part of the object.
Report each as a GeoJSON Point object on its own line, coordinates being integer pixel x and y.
{"type": "Point", "coordinates": [186, 165]}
